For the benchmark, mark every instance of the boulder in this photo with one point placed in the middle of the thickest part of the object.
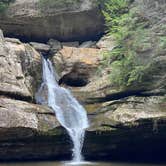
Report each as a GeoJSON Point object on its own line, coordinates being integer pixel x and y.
{"type": "Point", "coordinates": [40, 47]}
{"type": "Point", "coordinates": [70, 44]}
{"type": "Point", "coordinates": [55, 46]}
{"type": "Point", "coordinates": [131, 112]}
{"type": "Point", "coordinates": [106, 43]}
{"type": "Point", "coordinates": [41, 20]}
{"type": "Point", "coordinates": [88, 44]}
{"type": "Point", "coordinates": [12, 40]}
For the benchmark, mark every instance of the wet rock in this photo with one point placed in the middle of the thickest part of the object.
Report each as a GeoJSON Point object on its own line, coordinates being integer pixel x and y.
{"type": "Point", "coordinates": [134, 123]}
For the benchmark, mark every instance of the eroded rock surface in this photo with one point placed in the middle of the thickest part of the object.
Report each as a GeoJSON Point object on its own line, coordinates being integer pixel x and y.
{"type": "Point", "coordinates": [20, 68]}
{"type": "Point", "coordinates": [23, 119]}
{"type": "Point", "coordinates": [128, 129]}
{"type": "Point", "coordinates": [129, 123]}
{"type": "Point", "coordinates": [76, 65]}
{"type": "Point", "coordinates": [125, 123]}
{"type": "Point", "coordinates": [41, 20]}
{"type": "Point", "coordinates": [29, 131]}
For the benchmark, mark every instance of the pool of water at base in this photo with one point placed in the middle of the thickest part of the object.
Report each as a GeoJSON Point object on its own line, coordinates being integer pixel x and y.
{"type": "Point", "coordinates": [65, 163]}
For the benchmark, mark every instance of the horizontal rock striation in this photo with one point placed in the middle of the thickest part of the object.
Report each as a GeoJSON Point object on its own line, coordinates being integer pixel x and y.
{"type": "Point", "coordinates": [41, 20]}
{"type": "Point", "coordinates": [127, 124]}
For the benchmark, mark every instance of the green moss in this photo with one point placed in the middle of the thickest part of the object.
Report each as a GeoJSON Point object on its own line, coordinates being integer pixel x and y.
{"type": "Point", "coordinates": [4, 4]}
{"type": "Point", "coordinates": [163, 101]}
{"type": "Point", "coordinates": [162, 42]}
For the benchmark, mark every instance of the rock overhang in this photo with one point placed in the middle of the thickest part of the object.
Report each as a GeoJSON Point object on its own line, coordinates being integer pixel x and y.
{"type": "Point", "coordinates": [30, 22]}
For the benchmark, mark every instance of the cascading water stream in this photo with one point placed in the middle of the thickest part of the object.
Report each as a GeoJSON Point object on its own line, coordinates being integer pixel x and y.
{"type": "Point", "coordinates": [69, 112]}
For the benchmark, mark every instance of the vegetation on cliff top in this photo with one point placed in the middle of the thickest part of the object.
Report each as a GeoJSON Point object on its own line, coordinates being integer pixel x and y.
{"type": "Point", "coordinates": [130, 30]}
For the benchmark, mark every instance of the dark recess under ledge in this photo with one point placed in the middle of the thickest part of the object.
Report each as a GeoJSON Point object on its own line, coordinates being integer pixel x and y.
{"type": "Point", "coordinates": [17, 96]}
{"type": "Point", "coordinates": [123, 94]}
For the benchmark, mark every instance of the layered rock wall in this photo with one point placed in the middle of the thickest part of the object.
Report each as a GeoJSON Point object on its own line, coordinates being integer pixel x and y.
{"type": "Point", "coordinates": [41, 20]}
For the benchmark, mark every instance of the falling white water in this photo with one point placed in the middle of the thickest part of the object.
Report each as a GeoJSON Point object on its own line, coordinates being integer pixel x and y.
{"type": "Point", "coordinates": [69, 112]}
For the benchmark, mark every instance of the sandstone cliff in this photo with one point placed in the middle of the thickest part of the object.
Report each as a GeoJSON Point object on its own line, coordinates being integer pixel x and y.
{"type": "Point", "coordinates": [126, 123]}
{"type": "Point", "coordinates": [41, 20]}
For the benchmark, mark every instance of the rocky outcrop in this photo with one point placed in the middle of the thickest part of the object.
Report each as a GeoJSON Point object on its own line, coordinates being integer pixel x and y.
{"type": "Point", "coordinates": [124, 123]}
{"type": "Point", "coordinates": [20, 68]}
{"type": "Point", "coordinates": [135, 127]}
{"type": "Point", "coordinates": [41, 20]}
{"type": "Point", "coordinates": [40, 47]}
{"type": "Point", "coordinates": [29, 131]}
{"type": "Point", "coordinates": [128, 123]}
{"type": "Point", "coordinates": [76, 65]}
{"type": "Point", "coordinates": [20, 120]}
{"type": "Point", "coordinates": [130, 129]}
{"type": "Point", "coordinates": [149, 50]}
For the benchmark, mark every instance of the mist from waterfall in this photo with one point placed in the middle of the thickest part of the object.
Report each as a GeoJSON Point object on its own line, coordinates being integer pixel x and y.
{"type": "Point", "coordinates": [69, 112]}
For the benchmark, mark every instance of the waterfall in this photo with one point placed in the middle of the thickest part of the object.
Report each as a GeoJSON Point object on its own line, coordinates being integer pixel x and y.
{"type": "Point", "coordinates": [69, 112]}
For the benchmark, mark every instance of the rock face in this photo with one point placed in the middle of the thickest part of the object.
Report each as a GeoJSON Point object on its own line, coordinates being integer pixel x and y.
{"type": "Point", "coordinates": [28, 131]}
{"type": "Point", "coordinates": [29, 118]}
{"type": "Point", "coordinates": [20, 68]}
{"type": "Point", "coordinates": [127, 124]}
{"type": "Point", "coordinates": [130, 129]}
{"type": "Point", "coordinates": [76, 65]}
{"type": "Point", "coordinates": [42, 20]}
{"type": "Point", "coordinates": [42, 48]}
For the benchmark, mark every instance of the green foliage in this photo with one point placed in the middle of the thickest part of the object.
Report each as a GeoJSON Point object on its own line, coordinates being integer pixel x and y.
{"type": "Point", "coordinates": [162, 42]}
{"type": "Point", "coordinates": [57, 3]}
{"type": "Point", "coordinates": [131, 37]}
{"type": "Point", "coordinates": [112, 11]}
{"type": "Point", "coordinates": [4, 5]}
{"type": "Point", "coordinates": [127, 70]}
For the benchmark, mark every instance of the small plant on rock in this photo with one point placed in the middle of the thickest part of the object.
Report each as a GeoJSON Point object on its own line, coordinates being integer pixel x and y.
{"type": "Point", "coordinates": [4, 4]}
